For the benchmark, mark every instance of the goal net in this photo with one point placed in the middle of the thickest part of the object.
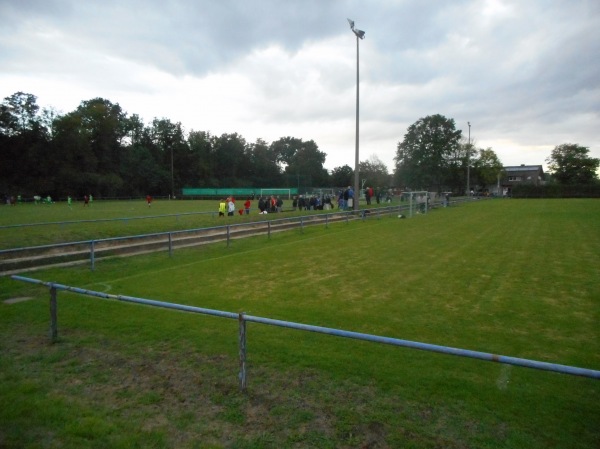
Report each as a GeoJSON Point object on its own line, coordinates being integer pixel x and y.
{"type": "Point", "coordinates": [418, 202]}
{"type": "Point", "coordinates": [287, 193]}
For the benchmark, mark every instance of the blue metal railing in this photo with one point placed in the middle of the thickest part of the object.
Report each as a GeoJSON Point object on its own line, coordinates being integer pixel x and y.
{"type": "Point", "coordinates": [243, 319]}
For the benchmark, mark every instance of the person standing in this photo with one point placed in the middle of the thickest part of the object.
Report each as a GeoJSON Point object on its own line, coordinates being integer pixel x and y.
{"type": "Point", "coordinates": [230, 207]}
{"type": "Point", "coordinates": [247, 205]}
{"type": "Point", "coordinates": [350, 202]}
{"type": "Point", "coordinates": [301, 203]}
{"type": "Point", "coordinates": [222, 207]}
{"type": "Point", "coordinates": [149, 200]}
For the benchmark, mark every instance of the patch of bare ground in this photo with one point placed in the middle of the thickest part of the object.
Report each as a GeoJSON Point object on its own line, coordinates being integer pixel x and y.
{"type": "Point", "coordinates": [190, 397]}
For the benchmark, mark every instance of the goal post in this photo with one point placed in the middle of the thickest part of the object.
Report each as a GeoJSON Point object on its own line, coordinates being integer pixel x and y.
{"type": "Point", "coordinates": [277, 192]}
{"type": "Point", "coordinates": [418, 202]}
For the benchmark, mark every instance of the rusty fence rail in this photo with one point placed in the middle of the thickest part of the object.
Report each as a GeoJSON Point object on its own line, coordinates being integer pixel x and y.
{"type": "Point", "coordinates": [244, 319]}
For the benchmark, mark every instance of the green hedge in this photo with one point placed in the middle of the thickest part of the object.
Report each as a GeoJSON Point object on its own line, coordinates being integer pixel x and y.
{"type": "Point", "coordinates": [556, 191]}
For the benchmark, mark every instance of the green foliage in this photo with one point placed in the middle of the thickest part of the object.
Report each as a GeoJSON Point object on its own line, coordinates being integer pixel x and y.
{"type": "Point", "coordinates": [99, 149]}
{"type": "Point", "coordinates": [486, 168]}
{"type": "Point", "coordinates": [375, 173]}
{"type": "Point", "coordinates": [342, 176]}
{"type": "Point", "coordinates": [422, 156]}
{"type": "Point", "coordinates": [301, 158]}
{"type": "Point", "coordinates": [570, 164]}
{"type": "Point", "coordinates": [18, 114]}
{"type": "Point", "coordinates": [556, 191]}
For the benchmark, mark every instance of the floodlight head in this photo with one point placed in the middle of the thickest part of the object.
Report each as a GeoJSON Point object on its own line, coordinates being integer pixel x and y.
{"type": "Point", "coordinates": [359, 33]}
{"type": "Point", "coordinates": [351, 22]}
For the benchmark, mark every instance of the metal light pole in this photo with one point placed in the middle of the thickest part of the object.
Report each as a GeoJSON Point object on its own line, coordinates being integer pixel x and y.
{"type": "Point", "coordinates": [172, 176]}
{"type": "Point", "coordinates": [469, 162]}
{"type": "Point", "coordinates": [359, 35]}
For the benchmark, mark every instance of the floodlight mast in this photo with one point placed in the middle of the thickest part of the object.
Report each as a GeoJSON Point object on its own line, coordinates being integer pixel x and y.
{"type": "Point", "coordinates": [469, 162]}
{"type": "Point", "coordinates": [360, 34]}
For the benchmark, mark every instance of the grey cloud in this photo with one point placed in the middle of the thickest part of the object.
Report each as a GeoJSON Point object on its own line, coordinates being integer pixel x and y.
{"type": "Point", "coordinates": [516, 72]}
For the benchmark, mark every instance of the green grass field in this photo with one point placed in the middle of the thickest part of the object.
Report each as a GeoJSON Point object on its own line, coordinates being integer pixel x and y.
{"type": "Point", "coordinates": [58, 222]}
{"type": "Point", "coordinates": [512, 277]}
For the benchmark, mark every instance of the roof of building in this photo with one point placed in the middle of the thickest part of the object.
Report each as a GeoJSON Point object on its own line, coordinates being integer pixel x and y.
{"type": "Point", "coordinates": [523, 167]}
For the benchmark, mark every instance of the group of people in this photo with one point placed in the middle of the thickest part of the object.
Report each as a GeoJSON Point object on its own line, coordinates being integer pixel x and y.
{"type": "Point", "coordinates": [270, 205]}
{"type": "Point", "coordinates": [312, 202]}
{"type": "Point", "coordinates": [227, 206]}
{"type": "Point", "coordinates": [87, 200]}
{"type": "Point", "coordinates": [345, 199]}
{"type": "Point", "coordinates": [11, 200]}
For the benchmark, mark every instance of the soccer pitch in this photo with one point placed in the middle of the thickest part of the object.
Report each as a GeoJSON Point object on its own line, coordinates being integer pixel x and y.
{"type": "Point", "coordinates": [511, 277]}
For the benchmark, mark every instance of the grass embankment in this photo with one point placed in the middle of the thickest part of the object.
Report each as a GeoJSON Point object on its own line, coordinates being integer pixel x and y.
{"type": "Point", "coordinates": [517, 278]}
{"type": "Point", "coordinates": [43, 224]}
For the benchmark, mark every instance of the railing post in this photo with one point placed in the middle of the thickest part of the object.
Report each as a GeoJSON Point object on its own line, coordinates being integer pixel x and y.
{"type": "Point", "coordinates": [269, 229]}
{"type": "Point", "coordinates": [53, 315]}
{"type": "Point", "coordinates": [302, 225]}
{"type": "Point", "coordinates": [170, 244]}
{"type": "Point", "coordinates": [92, 256]}
{"type": "Point", "coordinates": [242, 340]}
{"type": "Point", "coordinates": [228, 235]}
{"type": "Point", "coordinates": [326, 221]}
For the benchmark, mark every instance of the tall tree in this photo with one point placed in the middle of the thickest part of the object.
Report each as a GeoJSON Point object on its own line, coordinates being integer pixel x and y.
{"type": "Point", "coordinates": [87, 149]}
{"type": "Point", "coordinates": [143, 173]}
{"type": "Point", "coordinates": [134, 129]}
{"type": "Point", "coordinates": [73, 163]}
{"type": "Point", "coordinates": [106, 125]}
{"type": "Point", "coordinates": [264, 171]}
{"type": "Point", "coordinates": [458, 164]}
{"type": "Point", "coordinates": [200, 143]}
{"type": "Point", "coordinates": [24, 143]}
{"type": "Point", "coordinates": [570, 164]}
{"type": "Point", "coordinates": [374, 173]}
{"type": "Point", "coordinates": [342, 176]}
{"type": "Point", "coordinates": [171, 149]}
{"type": "Point", "coordinates": [231, 161]}
{"type": "Point", "coordinates": [421, 158]}
{"type": "Point", "coordinates": [18, 113]}
{"type": "Point", "coordinates": [301, 160]}
{"type": "Point", "coordinates": [487, 167]}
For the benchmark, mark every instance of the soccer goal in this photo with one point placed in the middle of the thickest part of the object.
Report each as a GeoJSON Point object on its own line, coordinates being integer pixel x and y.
{"type": "Point", "coordinates": [277, 192]}
{"type": "Point", "coordinates": [418, 202]}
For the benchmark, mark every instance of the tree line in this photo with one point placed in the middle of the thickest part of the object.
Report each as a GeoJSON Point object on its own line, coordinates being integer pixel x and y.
{"type": "Point", "coordinates": [100, 149]}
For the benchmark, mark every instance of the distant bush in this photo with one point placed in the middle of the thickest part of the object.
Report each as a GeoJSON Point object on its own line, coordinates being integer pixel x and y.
{"type": "Point", "coordinates": [557, 191]}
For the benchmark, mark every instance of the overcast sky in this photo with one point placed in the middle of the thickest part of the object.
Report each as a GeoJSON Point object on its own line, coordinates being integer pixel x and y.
{"type": "Point", "coordinates": [524, 73]}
